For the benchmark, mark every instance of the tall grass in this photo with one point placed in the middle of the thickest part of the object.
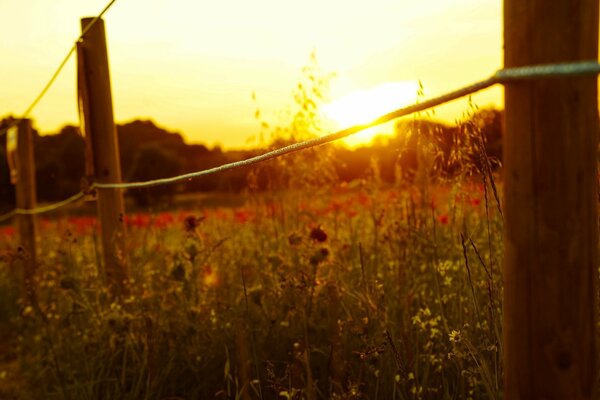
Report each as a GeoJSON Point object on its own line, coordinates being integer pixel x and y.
{"type": "Point", "coordinates": [354, 292]}
{"type": "Point", "coordinates": [321, 291]}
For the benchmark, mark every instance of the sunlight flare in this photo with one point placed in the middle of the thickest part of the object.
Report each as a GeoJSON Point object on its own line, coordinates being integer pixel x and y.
{"type": "Point", "coordinates": [363, 106]}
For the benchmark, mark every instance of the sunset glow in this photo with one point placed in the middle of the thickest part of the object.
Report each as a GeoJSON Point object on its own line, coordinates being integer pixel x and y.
{"type": "Point", "coordinates": [363, 106]}
{"type": "Point", "coordinates": [191, 67]}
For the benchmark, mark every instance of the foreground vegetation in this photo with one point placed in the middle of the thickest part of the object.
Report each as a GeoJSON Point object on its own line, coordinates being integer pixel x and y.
{"type": "Point", "coordinates": [357, 292]}
{"type": "Point", "coordinates": [387, 287]}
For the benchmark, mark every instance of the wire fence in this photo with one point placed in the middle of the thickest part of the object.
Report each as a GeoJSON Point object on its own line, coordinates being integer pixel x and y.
{"type": "Point", "coordinates": [57, 72]}
{"type": "Point", "coordinates": [41, 210]}
{"type": "Point", "coordinates": [502, 76]}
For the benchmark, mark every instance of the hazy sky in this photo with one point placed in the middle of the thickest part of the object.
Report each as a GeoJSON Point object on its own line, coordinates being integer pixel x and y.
{"type": "Point", "coordinates": [192, 66]}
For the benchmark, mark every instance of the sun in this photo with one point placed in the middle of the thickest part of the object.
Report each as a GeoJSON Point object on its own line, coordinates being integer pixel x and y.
{"type": "Point", "coordinates": [363, 106]}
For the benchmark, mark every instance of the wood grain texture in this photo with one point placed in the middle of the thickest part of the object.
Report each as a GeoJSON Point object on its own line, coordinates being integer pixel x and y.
{"type": "Point", "coordinates": [25, 193]}
{"type": "Point", "coordinates": [105, 145]}
{"type": "Point", "coordinates": [551, 224]}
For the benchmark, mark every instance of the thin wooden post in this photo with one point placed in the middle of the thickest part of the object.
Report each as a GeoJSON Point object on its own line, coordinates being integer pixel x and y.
{"type": "Point", "coordinates": [101, 131]}
{"type": "Point", "coordinates": [551, 224]}
{"type": "Point", "coordinates": [26, 199]}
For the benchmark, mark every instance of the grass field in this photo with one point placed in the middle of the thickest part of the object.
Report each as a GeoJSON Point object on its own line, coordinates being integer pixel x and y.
{"type": "Point", "coordinates": [349, 292]}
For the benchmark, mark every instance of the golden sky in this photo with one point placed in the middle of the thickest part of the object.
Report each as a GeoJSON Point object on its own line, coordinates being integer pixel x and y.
{"type": "Point", "coordinates": [191, 66]}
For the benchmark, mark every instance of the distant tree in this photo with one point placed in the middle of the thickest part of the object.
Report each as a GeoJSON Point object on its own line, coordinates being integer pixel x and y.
{"type": "Point", "coordinates": [7, 190]}
{"type": "Point", "coordinates": [133, 135]}
{"type": "Point", "coordinates": [152, 161]}
{"type": "Point", "coordinates": [60, 163]}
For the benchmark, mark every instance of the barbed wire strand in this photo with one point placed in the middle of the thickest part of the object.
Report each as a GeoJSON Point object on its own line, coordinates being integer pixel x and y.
{"type": "Point", "coordinates": [58, 70]}
{"type": "Point", "coordinates": [502, 76]}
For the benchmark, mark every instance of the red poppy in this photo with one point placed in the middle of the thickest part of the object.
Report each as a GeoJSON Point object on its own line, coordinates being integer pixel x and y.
{"type": "Point", "coordinates": [8, 231]}
{"type": "Point", "coordinates": [351, 212]}
{"type": "Point", "coordinates": [242, 216]}
{"type": "Point", "coordinates": [164, 219]}
{"type": "Point", "coordinates": [363, 199]}
{"type": "Point", "coordinates": [82, 225]}
{"type": "Point", "coordinates": [392, 195]}
{"type": "Point", "coordinates": [137, 220]}
{"type": "Point", "coordinates": [475, 201]}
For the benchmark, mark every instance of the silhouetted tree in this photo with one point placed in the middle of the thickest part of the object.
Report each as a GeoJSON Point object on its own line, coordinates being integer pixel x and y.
{"type": "Point", "coordinates": [60, 163]}
{"type": "Point", "coordinates": [7, 190]}
{"type": "Point", "coordinates": [148, 152]}
{"type": "Point", "coordinates": [153, 162]}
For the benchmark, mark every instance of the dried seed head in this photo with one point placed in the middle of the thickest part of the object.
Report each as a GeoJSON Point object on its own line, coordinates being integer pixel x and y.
{"type": "Point", "coordinates": [318, 234]}
{"type": "Point", "coordinates": [319, 256]}
{"type": "Point", "coordinates": [190, 223]}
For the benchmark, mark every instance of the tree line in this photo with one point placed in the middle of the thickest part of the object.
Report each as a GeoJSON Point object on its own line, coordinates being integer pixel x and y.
{"type": "Point", "coordinates": [148, 151]}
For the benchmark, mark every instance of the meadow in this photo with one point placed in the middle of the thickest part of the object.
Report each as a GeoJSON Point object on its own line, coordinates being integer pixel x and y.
{"type": "Point", "coordinates": [352, 291]}
{"type": "Point", "coordinates": [304, 287]}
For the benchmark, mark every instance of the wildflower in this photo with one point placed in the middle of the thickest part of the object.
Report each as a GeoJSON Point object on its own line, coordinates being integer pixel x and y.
{"type": "Point", "coordinates": [475, 201]}
{"type": "Point", "coordinates": [28, 311]}
{"type": "Point", "coordinates": [454, 336]}
{"type": "Point", "coordinates": [416, 390]}
{"type": "Point", "coordinates": [82, 224]}
{"type": "Point", "coordinates": [220, 214]}
{"type": "Point", "coordinates": [334, 206]}
{"type": "Point", "coordinates": [138, 220]}
{"type": "Point", "coordinates": [443, 219]}
{"type": "Point", "coordinates": [416, 320]}
{"type": "Point", "coordinates": [163, 220]}
{"type": "Point", "coordinates": [351, 212]}
{"type": "Point", "coordinates": [317, 234]}
{"type": "Point", "coordinates": [8, 231]}
{"type": "Point", "coordinates": [392, 196]}
{"type": "Point", "coordinates": [243, 216]}
{"type": "Point", "coordinates": [363, 199]}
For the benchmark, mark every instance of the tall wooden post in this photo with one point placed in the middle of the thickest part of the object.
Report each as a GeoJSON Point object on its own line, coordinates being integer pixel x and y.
{"type": "Point", "coordinates": [101, 131]}
{"type": "Point", "coordinates": [551, 224]}
{"type": "Point", "coordinates": [26, 199]}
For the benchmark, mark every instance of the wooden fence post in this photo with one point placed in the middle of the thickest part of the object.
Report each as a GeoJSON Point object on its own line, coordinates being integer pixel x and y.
{"type": "Point", "coordinates": [551, 224]}
{"type": "Point", "coordinates": [101, 132]}
{"type": "Point", "coordinates": [26, 199]}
